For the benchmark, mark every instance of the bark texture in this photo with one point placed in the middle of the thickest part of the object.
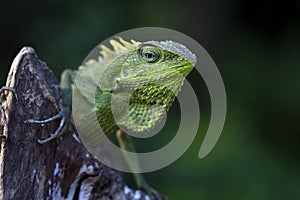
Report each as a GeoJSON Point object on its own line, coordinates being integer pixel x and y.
{"type": "Point", "coordinates": [61, 169]}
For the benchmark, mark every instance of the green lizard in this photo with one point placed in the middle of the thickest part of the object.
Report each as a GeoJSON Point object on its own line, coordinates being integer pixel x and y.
{"type": "Point", "coordinates": [151, 72]}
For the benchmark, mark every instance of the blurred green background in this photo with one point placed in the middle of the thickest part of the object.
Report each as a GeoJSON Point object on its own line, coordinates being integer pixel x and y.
{"type": "Point", "coordinates": [254, 43]}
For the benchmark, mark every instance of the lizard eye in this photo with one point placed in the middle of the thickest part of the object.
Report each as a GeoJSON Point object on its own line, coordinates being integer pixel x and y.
{"type": "Point", "coordinates": [150, 54]}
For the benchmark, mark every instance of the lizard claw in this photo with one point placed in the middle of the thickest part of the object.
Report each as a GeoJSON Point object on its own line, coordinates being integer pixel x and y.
{"type": "Point", "coordinates": [64, 115]}
{"type": "Point", "coordinates": [3, 134]}
{"type": "Point", "coordinates": [63, 125]}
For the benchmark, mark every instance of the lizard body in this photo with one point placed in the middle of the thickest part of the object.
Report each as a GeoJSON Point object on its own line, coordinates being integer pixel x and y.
{"type": "Point", "coordinates": [147, 75]}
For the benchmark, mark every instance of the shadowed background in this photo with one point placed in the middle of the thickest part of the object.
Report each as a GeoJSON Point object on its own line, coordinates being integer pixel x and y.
{"type": "Point", "coordinates": [255, 44]}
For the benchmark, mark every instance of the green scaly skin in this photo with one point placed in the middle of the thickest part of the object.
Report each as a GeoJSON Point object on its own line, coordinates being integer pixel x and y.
{"type": "Point", "coordinates": [146, 74]}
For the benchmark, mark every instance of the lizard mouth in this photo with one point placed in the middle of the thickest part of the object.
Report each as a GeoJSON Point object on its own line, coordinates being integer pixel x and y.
{"type": "Point", "coordinates": [184, 69]}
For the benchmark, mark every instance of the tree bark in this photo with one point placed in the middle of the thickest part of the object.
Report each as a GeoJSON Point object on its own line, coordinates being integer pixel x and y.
{"type": "Point", "coordinates": [60, 169]}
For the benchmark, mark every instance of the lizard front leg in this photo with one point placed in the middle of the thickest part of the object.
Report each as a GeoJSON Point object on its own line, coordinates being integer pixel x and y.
{"type": "Point", "coordinates": [65, 106]}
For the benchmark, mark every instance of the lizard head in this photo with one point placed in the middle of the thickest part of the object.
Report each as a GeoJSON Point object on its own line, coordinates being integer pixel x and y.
{"type": "Point", "coordinates": [148, 75]}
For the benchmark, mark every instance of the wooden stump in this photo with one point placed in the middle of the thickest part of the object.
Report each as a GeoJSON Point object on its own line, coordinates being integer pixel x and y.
{"type": "Point", "coordinates": [60, 169]}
